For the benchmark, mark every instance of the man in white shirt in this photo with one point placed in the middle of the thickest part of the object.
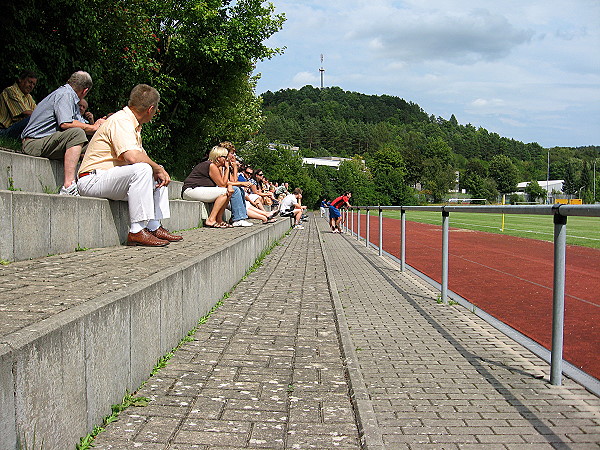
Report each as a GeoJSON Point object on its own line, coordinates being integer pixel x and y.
{"type": "Point", "coordinates": [116, 166]}
{"type": "Point", "coordinates": [291, 206]}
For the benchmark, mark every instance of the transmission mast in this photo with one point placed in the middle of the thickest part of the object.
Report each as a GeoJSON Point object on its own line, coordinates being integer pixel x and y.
{"type": "Point", "coordinates": [322, 70]}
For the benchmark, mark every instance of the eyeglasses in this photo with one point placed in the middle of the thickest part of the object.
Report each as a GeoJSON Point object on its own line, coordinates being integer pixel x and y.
{"type": "Point", "coordinates": [259, 174]}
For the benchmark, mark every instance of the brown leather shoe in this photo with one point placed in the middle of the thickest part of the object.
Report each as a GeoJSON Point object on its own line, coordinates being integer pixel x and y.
{"type": "Point", "coordinates": [163, 234]}
{"type": "Point", "coordinates": [146, 239]}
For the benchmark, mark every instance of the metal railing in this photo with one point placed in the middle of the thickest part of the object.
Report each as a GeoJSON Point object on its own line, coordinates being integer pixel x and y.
{"type": "Point", "coordinates": [559, 212]}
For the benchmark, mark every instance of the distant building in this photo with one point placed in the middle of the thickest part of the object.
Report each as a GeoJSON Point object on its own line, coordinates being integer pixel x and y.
{"type": "Point", "coordinates": [329, 161]}
{"type": "Point", "coordinates": [551, 186]}
{"type": "Point", "coordinates": [285, 146]}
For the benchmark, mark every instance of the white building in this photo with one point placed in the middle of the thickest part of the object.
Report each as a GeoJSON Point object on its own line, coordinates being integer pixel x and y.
{"type": "Point", "coordinates": [550, 186]}
{"type": "Point", "coordinates": [329, 161]}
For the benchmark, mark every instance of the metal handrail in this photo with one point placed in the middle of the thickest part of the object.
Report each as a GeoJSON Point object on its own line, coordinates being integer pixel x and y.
{"type": "Point", "coordinates": [560, 212]}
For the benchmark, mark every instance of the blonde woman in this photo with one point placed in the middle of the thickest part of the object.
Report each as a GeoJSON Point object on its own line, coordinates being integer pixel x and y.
{"type": "Point", "coordinates": [209, 182]}
{"type": "Point", "coordinates": [202, 185]}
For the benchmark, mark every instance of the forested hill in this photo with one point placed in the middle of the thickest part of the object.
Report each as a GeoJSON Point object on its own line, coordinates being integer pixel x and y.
{"type": "Point", "coordinates": [403, 147]}
{"type": "Point", "coordinates": [337, 122]}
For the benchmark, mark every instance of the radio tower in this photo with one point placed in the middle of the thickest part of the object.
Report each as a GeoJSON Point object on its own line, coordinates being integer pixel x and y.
{"type": "Point", "coordinates": [321, 70]}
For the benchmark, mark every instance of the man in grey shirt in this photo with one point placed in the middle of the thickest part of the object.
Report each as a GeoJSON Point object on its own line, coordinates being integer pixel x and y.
{"type": "Point", "coordinates": [54, 130]}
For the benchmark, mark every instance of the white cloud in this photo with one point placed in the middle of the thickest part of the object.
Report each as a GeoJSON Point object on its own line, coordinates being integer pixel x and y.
{"type": "Point", "coordinates": [304, 78]}
{"type": "Point", "coordinates": [528, 70]}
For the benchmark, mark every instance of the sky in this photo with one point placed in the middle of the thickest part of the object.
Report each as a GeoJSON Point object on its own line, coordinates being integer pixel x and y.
{"type": "Point", "coordinates": [525, 69]}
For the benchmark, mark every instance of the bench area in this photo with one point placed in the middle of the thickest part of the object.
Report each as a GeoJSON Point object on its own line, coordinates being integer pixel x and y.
{"type": "Point", "coordinates": [38, 224]}
{"type": "Point", "coordinates": [78, 329]}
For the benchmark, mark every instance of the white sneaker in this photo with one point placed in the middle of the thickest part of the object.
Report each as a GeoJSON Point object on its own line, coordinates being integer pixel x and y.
{"type": "Point", "coordinates": [241, 223]}
{"type": "Point", "coordinates": [298, 227]}
{"type": "Point", "coordinates": [71, 190]}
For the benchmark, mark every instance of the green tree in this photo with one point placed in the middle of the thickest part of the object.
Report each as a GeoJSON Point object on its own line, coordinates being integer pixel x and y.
{"type": "Point", "coordinates": [535, 191]}
{"type": "Point", "coordinates": [355, 177]}
{"type": "Point", "coordinates": [571, 184]}
{"type": "Point", "coordinates": [438, 174]}
{"type": "Point", "coordinates": [504, 173]}
{"type": "Point", "coordinates": [198, 54]}
{"type": "Point", "coordinates": [388, 170]}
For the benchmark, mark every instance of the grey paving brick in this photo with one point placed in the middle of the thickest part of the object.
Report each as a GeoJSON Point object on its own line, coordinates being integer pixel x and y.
{"type": "Point", "coordinates": [274, 367]}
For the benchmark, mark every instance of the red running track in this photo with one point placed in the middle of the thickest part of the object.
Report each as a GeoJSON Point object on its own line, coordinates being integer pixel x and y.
{"type": "Point", "coordinates": [510, 278]}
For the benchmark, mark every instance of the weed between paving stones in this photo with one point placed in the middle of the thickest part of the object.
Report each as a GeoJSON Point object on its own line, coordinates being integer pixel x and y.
{"type": "Point", "coordinates": [86, 442]}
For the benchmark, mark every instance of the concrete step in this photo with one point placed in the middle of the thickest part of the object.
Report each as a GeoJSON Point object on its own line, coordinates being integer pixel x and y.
{"type": "Point", "coordinates": [36, 225]}
{"type": "Point", "coordinates": [78, 330]}
{"type": "Point", "coordinates": [32, 174]}
{"type": "Point", "coordinates": [36, 222]}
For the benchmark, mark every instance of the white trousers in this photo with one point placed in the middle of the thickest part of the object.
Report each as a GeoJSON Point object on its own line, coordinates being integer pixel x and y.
{"type": "Point", "coordinates": [134, 183]}
{"type": "Point", "coordinates": [206, 194]}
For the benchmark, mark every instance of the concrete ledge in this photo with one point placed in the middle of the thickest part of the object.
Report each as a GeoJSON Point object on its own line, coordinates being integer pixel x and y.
{"type": "Point", "coordinates": [59, 377]}
{"type": "Point", "coordinates": [37, 225]}
{"type": "Point", "coordinates": [42, 175]}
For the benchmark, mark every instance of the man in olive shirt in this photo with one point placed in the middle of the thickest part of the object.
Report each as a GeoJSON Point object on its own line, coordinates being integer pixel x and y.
{"type": "Point", "coordinates": [16, 105]}
{"type": "Point", "coordinates": [116, 166]}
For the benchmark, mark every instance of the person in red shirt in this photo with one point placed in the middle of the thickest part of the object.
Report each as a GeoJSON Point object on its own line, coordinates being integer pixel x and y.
{"type": "Point", "coordinates": [335, 216]}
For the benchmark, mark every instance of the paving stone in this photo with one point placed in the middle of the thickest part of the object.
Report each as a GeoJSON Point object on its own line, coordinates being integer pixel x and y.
{"type": "Point", "coordinates": [271, 367]}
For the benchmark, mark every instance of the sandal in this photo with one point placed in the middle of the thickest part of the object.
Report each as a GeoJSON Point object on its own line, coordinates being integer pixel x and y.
{"type": "Point", "coordinates": [214, 225]}
{"type": "Point", "coordinates": [226, 225]}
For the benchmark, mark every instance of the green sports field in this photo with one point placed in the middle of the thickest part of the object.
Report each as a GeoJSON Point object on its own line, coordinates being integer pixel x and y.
{"type": "Point", "coordinates": [584, 231]}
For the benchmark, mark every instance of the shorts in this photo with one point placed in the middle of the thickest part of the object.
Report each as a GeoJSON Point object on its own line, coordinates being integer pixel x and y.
{"type": "Point", "coordinates": [334, 213]}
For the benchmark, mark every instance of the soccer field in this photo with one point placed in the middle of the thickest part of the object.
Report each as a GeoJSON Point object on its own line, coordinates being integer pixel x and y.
{"type": "Point", "coordinates": [584, 231]}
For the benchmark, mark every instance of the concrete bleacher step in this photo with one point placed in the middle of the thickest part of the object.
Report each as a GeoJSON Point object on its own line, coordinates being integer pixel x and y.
{"type": "Point", "coordinates": [36, 223]}
{"type": "Point", "coordinates": [79, 330]}
{"type": "Point", "coordinates": [32, 174]}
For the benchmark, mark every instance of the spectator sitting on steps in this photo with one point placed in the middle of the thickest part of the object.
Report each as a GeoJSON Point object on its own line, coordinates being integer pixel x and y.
{"type": "Point", "coordinates": [54, 130]}
{"type": "Point", "coordinates": [86, 116]}
{"type": "Point", "coordinates": [116, 166]}
{"type": "Point", "coordinates": [291, 206]}
{"type": "Point", "coordinates": [209, 182]}
{"type": "Point", "coordinates": [17, 105]}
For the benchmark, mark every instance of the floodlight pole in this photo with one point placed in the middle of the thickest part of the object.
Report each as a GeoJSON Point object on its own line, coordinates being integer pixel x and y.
{"type": "Point", "coordinates": [548, 178]}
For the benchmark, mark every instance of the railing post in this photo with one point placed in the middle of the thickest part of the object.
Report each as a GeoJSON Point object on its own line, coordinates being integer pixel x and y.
{"type": "Point", "coordinates": [402, 239]}
{"type": "Point", "coordinates": [368, 227]}
{"type": "Point", "coordinates": [380, 232]}
{"type": "Point", "coordinates": [445, 230]}
{"type": "Point", "coordinates": [352, 220]}
{"type": "Point", "coordinates": [558, 299]}
{"type": "Point", "coordinates": [358, 226]}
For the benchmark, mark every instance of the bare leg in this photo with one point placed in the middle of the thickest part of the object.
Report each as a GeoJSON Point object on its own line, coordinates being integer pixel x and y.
{"type": "Point", "coordinates": [72, 155]}
{"type": "Point", "coordinates": [255, 213]}
{"type": "Point", "coordinates": [298, 215]}
{"type": "Point", "coordinates": [216, 213]}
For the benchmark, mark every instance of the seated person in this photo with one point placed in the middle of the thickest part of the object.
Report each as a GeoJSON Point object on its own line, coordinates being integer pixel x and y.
{"type": "Point", "coordinates": [116, 166]}
{"type": "Point", "coordinates": [291, 206]}
{"type": "Point", "coordinates": [209, 182]}
{"type": "Point", "coordinates": [239, 193]}
{"type": "Point", "coordinates": [253, 200]}
{"type": "Point", "coordinates": [257, 193]}
{"type": "Point", "coordinates": [16, 105]}
{"type": "Point", "coordinates": [282, 189]}
{"type": "Point", "coordinates": [54, 130]}
{"type": "Point", "coordinates": [85, 115]}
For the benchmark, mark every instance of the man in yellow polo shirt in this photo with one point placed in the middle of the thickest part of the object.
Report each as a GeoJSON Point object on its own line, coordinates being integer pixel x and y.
{"type": "Point", "coordinates": [116, 166]}
{"type": "Point", "coordinates": [17, 104]}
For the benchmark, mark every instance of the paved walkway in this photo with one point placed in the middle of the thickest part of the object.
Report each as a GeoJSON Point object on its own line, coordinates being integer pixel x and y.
{"type": "Point", "coordinates": [322, 317]}
{"type": "Point", "coordinates": [34, 290]}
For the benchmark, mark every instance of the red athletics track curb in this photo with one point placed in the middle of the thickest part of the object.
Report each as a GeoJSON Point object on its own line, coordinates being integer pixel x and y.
{"type": "Point", "coordinates": [511, 279]}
